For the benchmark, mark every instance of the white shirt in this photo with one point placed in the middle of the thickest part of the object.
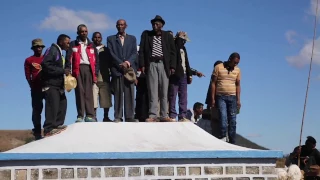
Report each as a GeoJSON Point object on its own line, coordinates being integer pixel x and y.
{"type": "Point", "coordinates": [190, 116]}
{"type": "Point", "coordinates": [183, 59]}
{"type": "Point", "coordinates": [84, 57]}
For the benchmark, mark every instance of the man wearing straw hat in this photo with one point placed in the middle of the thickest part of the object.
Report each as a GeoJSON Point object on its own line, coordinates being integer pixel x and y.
{"type": "Point", "coordinates": [179, 81]}
{"type": "Point", "coordinates": [32, 69]}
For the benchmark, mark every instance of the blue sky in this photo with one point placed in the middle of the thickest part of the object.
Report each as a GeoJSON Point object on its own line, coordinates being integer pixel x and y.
{"type": "Point", "coordinates": [272, 37]}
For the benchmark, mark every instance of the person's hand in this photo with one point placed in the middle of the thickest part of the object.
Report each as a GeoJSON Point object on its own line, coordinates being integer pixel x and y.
{"type": "Point", "coordinates": [124, 65]}
{"type": "Point", "coordinates": [238, 104]}
{"type": "Point", "coordinates": [305, 160]}
{"type": "Point", "coordinates": [298, 150]}
{"type": "Point", "coordinates": [67, 71]}
{"type": "Point", "coordinates": [199, 74]}
{"type": "Point", "coordinates": [172, 71]}
{"type": "Point", "coordinates": [136, 82]}
{"type": "Point", "coordinates": [213, 103]}
{"type": "Point", "coordinates": [190, 80]}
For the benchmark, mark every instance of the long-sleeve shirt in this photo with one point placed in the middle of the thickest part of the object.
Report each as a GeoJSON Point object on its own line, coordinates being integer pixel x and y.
{"type": "Point", "coordinates": [32, 69]}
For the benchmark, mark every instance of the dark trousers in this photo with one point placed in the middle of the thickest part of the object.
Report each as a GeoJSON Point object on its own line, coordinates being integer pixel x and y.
{"type": "Point", "coordinates": [55, 108]}
{"type": "Point", "coordinates": [178, 86]}
{"type": "Point", "coordinates": [37, 97]}
{"type": "Point", "coordinates": [227, 106]}
{"type": "Point", "coordinates": [84, 92]}
{"type": "Point", "coordinates": [142, 100]}
{"type": "Point", "coordinates": [123, 95]}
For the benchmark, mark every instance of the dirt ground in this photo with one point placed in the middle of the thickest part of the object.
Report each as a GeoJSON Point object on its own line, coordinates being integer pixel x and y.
{"type": "Point", "coordinates": [10, 139]}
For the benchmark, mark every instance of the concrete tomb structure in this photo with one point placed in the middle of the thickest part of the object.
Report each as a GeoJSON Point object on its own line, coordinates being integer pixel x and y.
{"type": "Point", "coordinates": [136, 151]}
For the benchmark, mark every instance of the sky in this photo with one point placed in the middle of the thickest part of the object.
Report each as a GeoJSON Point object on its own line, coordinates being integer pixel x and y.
{"type": "Point", "coordinates": [274, 39]}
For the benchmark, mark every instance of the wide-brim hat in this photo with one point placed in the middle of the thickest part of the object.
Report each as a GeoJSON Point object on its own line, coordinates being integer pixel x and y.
{"type": "Point", "coordinates": [158, 18]}
{"type": "Point", "coordinates": [37, 42]}
{"type": "Point", "coordinates": [183, 35]}
{"type": "Point", "coordinates": [130, 75]}
{"type": "Point", "coordinates": [70, 83]}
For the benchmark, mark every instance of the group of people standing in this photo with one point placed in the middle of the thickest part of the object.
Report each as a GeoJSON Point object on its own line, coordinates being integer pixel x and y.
{"type": "Point", "coordinates": [158, 67]}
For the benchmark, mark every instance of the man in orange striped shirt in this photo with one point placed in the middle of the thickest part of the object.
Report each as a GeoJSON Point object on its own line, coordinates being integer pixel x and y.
{"type": "Point", "coordinates": [226, 95]}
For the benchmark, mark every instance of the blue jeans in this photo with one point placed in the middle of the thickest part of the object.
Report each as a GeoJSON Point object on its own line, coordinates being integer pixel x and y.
{"type": "Point", "coordinates": [227, 106]}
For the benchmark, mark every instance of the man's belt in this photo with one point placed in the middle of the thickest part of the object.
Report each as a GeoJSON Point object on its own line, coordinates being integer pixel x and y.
{"type": "Point", "coordinates": [156, 59]}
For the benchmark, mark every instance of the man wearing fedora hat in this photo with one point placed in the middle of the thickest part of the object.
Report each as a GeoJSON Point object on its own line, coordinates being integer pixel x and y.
{"type": "Point", "coordinates": [157, 59]}
{"type": "Point", "coordinates": [32, 69]}
{"type": "Point", "coordinates": [123, 50]}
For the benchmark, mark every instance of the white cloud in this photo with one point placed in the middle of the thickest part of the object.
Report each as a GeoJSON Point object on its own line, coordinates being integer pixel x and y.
{"type": "Point", "coordinates": [304, 55]}
{"type": "Point", "coordinates": [312, 9]}
{"type": "Point", "coordinates": [63, 19]}
{"type": "Point", "coordinates": [290, 36]}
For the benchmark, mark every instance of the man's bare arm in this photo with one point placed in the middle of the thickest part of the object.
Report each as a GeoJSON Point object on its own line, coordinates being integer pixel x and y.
{"type": "Point", "coordinates": [238, 90]}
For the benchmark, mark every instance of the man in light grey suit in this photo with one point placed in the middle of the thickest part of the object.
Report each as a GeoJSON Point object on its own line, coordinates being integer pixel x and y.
{"type": "Point", "coordinates": [123, 50]}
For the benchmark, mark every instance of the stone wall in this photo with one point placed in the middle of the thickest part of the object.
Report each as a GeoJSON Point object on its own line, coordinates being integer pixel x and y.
{"type": "Point", "coordinates": [145, 172]}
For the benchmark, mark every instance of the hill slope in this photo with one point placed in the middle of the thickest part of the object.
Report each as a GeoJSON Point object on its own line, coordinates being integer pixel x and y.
{"type": "Point", "coordinates": [10, 139]}
{"type": "Point", "coordinates": [244, 142]}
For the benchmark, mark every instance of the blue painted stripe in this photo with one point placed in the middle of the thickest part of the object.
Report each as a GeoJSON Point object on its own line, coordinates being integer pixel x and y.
{"type": "Point", "coordinates": [143, 155]}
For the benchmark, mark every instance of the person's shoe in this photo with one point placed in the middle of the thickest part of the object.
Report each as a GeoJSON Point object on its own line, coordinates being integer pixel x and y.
{"type": "Point", "coordinates": [132, 120]}
{"type": "Point", "coordinates": [184, 120]}
{"type": "Point", "coordinates": [167, 119]}
{"type": "Point", "coordinates": [118, 120]}
{"type": "Point", "coordinates": [79, 119]}
{"type": "Point", "coordinates": [37, 137]}
{"type": "Point", "coordinates": [152, 120]}
{"type": "Point", "coordinates": [62, 127]}
{"type": "Point", "coordinates": [224, 139]}
{"type": "Point", "coordinates": [52, 132]}
{"type": "Point", "coordinates": [106, 119]}
{"type": "Point", "coordinates": [89, 119]}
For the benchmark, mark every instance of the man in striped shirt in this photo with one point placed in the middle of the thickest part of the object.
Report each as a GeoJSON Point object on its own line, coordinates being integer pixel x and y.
{"type": "Point", "coordinates": [226, 95]}
{"type": "Point", "coordinates": [157, 59]}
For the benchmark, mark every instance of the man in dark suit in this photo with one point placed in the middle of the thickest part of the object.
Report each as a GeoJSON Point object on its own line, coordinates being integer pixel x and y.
{"type": "Point", "coordinates": [157, 59]}
{"type": "Point", "coordinates": [123, 49]}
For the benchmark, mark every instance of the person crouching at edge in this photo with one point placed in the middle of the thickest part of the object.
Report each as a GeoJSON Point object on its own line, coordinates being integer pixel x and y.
{"type": "Point", "coordinates": [54, 68]}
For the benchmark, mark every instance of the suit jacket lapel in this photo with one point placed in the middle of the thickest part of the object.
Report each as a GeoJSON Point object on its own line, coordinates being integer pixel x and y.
{"type": "Point", "coordinates": [125, 44]}
{"type": "Point", "coordinates": [163, 42]}
{"type": "Point", "coordinates": [150, 39]}
{"type": "Point", "coordinates": [118, 40]}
